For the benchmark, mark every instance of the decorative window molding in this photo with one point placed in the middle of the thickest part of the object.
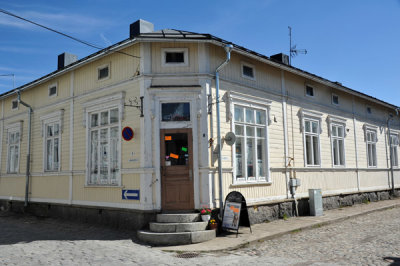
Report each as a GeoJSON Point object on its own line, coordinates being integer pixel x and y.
{"type": "Point", "coordinates": [336, 120]}
{"type": "Point", "coordinates": [115, 99]}
{"type": "Point", "coordinates": [174, 57]}
{"type": "Point", "coordinates": [52, 128]}
{"type": "Point", "coordinates": [248, 71]}
{"type": "Point", "coordinates": [304, 113]}
{"type": "Point", "coordinates": [311, 127]}
{"type": "Point", "coordinates": [371, 138]}
{"type": "Point", "coordinates": [53, 90]}
{"type": "Point", "coordinates": [337, 133]}
{"type": "Point", "coordinates": [104, 72]}
{"type": "Point", "coordinates": [393, 145]}
{"type": "Point", "coordinates": [249, 117]}
{"type": "Point", "coordinates": [13, 146]}
{"type": "Point", "coordinates": [103, 117]}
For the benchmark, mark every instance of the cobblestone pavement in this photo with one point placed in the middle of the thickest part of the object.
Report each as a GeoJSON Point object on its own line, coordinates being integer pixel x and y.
{"type": "Point", "coordinates": [364, 240]}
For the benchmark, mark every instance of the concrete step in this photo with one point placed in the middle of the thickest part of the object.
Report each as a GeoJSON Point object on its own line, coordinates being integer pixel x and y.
{"type": "Point", "coordinates": [178, 218]}
{"type": "Point", "coordinates": [178, 227]}
{"type": "Point", "coordinates": [174, 239]}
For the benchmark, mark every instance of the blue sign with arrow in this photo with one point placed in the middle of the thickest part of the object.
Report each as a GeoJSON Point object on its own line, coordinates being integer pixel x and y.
{"type": "Point", "coordinates": [130, 194]}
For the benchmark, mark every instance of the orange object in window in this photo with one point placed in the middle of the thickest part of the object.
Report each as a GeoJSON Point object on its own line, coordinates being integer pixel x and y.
{"type": "Point", "coordinates": [168, 137]}
{"type": "Point", "coordinates": [175, 156]}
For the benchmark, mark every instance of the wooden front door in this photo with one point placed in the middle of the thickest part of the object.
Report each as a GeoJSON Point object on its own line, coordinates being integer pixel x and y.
{"type": "Point", "coordinates": [177, 169]}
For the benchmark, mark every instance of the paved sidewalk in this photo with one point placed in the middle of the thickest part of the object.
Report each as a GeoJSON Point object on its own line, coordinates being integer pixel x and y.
{"type": "Point", "coordinates": [277, 228]}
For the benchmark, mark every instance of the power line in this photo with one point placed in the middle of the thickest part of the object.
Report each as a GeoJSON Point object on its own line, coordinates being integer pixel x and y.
{"type": "Point", "coordinates": [61, 33]}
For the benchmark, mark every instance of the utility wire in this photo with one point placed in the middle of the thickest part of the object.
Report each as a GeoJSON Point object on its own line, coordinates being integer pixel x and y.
{"type": "Point", "coordinates": [63, 34]}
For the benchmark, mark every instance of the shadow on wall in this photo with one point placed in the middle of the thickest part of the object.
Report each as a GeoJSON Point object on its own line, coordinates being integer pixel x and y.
{"type": "Point", "coordinates": [21, 228]}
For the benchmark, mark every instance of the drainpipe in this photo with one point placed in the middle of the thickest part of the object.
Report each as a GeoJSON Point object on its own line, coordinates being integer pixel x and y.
{"type": "Point", "coordinates": [390, 148]}
{"type": "Point", "coordinates": [28, 154]}
{"type": "Point", "coordinates": [228, 48]}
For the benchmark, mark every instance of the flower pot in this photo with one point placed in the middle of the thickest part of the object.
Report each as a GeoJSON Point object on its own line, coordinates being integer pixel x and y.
{"type": "Point", "coordinates": [205, 217]}
{"type": "Point", "coordinates": [213, 226]}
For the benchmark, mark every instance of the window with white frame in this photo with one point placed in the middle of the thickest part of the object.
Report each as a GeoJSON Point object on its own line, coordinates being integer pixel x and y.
{"type": "Point", "coordinates": [371, 140]}
{"type": "Point", "coordinates": [13, 147]}
{"type": "Point", "coordinates": [52, 146]}
{"type": "Point", "coordinates": [174, 57]}
{"type": "Point", "coordinates": [337, 139]}
{"type": "Point", "coordinates": [104, 147]}
{"type": "Point", "coordinates": [394, 143]}
{"type": "Point", "coordinates": [248, 71]}
{"type": "Point", "coordinates": [53, 90]}
{"type": "Point", "coordinates": [250, 146]}
{"type": "Point", "coordinates": [103, 72]}
{"type": "Point", "coordinates": [311, 142]}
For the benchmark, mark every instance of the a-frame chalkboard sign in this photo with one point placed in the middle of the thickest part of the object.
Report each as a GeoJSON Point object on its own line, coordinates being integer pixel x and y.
{"type": "Point", "coordinates": [235, 212]}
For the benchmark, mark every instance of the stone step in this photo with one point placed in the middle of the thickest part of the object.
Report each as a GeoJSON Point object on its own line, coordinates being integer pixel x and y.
{"type": "Point", "coordinates": [174, 239]}
{"type": "Point", "coordinates": [178, 218]}
{"type": "Point", "coordinates": [178, 227]}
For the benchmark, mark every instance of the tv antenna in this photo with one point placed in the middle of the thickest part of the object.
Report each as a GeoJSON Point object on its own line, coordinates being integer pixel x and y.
{"type": "Point", "coordinates": [292, 49]}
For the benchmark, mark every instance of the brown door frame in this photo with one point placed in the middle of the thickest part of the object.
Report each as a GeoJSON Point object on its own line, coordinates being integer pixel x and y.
{"type": "Point", "coordinates": [183, 183]}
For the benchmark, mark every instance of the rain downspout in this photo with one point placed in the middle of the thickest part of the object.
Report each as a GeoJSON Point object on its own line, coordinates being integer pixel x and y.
{"type": "Point", "coordinates": [28, 154]}
{"type": "Point", "coordinates": [228, 48]}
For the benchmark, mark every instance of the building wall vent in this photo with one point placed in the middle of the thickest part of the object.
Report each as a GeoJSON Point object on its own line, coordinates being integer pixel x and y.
{"type": "Point", "coordinates": [281, 58]}
{"type": "Point", "coordinates": [66, 59]}
{"type": "Point", "coordinates": [140, 26]}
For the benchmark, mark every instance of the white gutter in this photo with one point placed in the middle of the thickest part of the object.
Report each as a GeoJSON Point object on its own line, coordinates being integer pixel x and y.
{"type": "Point", "coordinates": [355, 144]}
{"type": "Point", "coordinates": [285, 131]}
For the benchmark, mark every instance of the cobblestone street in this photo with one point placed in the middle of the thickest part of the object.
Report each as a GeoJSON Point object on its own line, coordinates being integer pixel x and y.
{"type": "Point", "coordinates": [364, 240]}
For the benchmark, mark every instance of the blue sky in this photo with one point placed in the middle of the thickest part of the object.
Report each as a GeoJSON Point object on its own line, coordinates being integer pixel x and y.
{"type": "Point", "coordinates": [354, 42]}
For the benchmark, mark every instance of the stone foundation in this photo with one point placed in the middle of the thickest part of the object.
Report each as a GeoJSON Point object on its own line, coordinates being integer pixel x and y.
{"type": "Point", "coordinates": [279, 210]}
{"type": "Point", "coordinates": [117, 218]}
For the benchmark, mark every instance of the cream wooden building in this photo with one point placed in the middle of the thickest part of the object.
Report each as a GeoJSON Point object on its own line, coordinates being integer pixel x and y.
{"type": "Point", "coordinates": [288, 124]}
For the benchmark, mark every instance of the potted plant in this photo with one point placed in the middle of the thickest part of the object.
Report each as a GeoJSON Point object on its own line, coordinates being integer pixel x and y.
{"type": "Point", "coordinates": [213, 224]}
{"type": "Point", "coordinates": [205, 214]}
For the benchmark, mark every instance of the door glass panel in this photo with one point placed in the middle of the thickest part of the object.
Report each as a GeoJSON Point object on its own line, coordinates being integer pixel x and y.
{"type": "Point", "coordinates": [176, 149]}
{"type": "Point", "coordinates": [175, 112]}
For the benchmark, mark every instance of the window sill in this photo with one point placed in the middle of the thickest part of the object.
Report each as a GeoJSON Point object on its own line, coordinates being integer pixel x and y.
{"type": "Point", "coordinates": [103, 186]}
{"type": "Point", "coordinates": [254, 183]}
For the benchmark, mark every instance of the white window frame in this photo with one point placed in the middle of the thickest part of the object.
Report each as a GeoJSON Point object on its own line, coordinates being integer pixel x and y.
{"type": "Point", "coordinates": [114, 101]}
{"type": "Point", "coordinates": [108, 65]}
{"type": "Point", "coordinates": [305, 90]}
{"type": "Point", "coordinates": [394, 147]}
{"type": "Point", "coordinates": [338, 122]}
{"type": "Point", "coordinates": [53, 118]}
{"type": "Point", "coordinates": [335, 95]}
{"type": "Point", "coordinates": [185, 52]}
{"type": "Point", "coordinates": [373, 130]}
{"type": "Point", "coordinates": [243, 64]}
{"type": "Point", "coordinates": [13, 129]}
{"type": "Point", "coordinates": [51, 86]}
{"type": "Point", "coordinates": [307, 115]}
{"type": "Point", "coordinates": [236, 99]}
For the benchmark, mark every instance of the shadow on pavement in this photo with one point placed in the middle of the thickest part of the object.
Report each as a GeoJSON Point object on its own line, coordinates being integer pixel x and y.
{"type": "Point", "coordinates": [394, 261]}
{"type": "Point", "coordinates": [22, 228]}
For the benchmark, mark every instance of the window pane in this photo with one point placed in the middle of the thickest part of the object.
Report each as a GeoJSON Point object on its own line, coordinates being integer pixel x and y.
{"type": "Point", "coordinates": [50, 130]}
{"type": "Point", "coordinates": [104, 118]}
{"type": "Point", "coordinates": [174, 57]}
{"type": "Point", "coordinates": [104, 157]}
{"type": "Point", "coordinates": [238, 153]}
{"type": "Point", "coordinates": [314, 127]}
{"type": "Point", "coordinates": [368, 136]}
{"type": "Point", "coordinates": [374, 154]}
{"type": "Point", "coordinates": [316, 150]}
{"type": "Point", "coordinates": [239, 114]}
{"type": "Point", "coordinates": [114, 154]}
{"type": "Point", "coordinates": [249, 116]}
{"type": "Point", "coordinates": [250, 152]}
{"type": "Point", "coordinates": [260, 132]}
{"type": "Point", "coordinates": [49, 155]}
{"type": "Point", "coordinates": [335, 152]}
{"type": "Point", "coordinates": [175, 111]}
{"type": "Point", "coordinates": [340, 131]}
{"type": "Point", "coordinates": [260, 117]}
{"type": "Point", "coordinates": [248, 71]}
{"type": "Point", "coordinates": [94, 120]}
{"type": "Point", "coordinates": [309, 150]}
{"type": "Point", "coordinates": [307, 126]}
{"type": "Point", "coordinates": [250, 131]}
{"type": "Point", "coordinates": [341, 151]}
{"type": "Point", "coordinates": [334, 131]}
{"type": "Point", "coordinates": [260, 157]}
{"type": "Point", "coordinates": [56, 128]}
{"type": "Point", "coordinates": [239, 130]}
{"type": "Point", "coordinates": [94, 164]}
{"type": "Point", "coordinates": [56, 154]}
{"type": "Point", "coordinates": [114, 116]}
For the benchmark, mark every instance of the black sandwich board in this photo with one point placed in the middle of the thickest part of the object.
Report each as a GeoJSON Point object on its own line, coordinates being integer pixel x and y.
{"type": "Point", "coordinates": [235, 212]}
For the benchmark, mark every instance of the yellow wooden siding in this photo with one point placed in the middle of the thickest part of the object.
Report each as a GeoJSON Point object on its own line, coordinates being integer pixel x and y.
{"type": "Point", "coordinates": [156, 62]}
{"type": "Point", "coordinates": [374, 179]}
{"type": "Point", "coordinates": [12, 186]}
{"type": "Point", "coordinates": [104, 194]}
{"type": "Point", "coordinates": [327, 181]}
{"type": "Point", "coordinates": [50, 187]}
